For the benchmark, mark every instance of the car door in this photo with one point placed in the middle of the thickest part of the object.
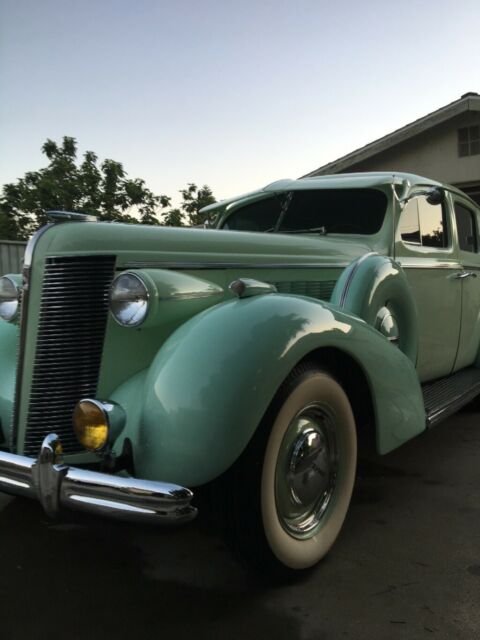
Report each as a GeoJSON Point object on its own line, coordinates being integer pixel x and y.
{"type": "Point", "coordinates": [426, 249]}
{"type": "Point", "coordinates": [467, 223]}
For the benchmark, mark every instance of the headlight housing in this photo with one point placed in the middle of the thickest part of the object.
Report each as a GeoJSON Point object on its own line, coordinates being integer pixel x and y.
{"type": "Point", "coordinates": [129, 299]}
{"type": "Point", "coordinates": [9, 298]}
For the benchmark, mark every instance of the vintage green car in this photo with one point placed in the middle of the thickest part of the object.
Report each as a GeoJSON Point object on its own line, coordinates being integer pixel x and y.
{"type": "Point", "coordinates": [140, 363]}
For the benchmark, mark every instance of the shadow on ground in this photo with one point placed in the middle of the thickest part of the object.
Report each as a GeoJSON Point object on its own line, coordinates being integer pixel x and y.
{"type": "Point", "coordinates": [407, 565]}
{"type": "Point", "coordinates": [109, 580]}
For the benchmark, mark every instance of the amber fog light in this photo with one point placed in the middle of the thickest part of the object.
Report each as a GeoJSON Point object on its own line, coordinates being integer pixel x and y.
{"type": "Point", "coordinates": [97, 422]}
{"type": "Point", "coordinates": [90, 423]}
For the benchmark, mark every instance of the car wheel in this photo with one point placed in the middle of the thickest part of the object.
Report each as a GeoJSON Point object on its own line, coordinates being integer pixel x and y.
{"type": "Point", "coordinates": [289, 493]}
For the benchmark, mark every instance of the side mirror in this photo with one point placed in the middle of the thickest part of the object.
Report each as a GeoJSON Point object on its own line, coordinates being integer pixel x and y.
{"type": "Point", "coordinates": [436, 195]}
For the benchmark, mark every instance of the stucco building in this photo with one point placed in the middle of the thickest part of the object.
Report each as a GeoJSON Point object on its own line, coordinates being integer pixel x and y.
{"type": "Point", "coordinates": [443, 145]}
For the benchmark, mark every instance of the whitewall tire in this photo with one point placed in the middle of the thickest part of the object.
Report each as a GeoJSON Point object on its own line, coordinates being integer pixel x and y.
{"type": "Point", "coordinates": [316, 406]}
{"type": "Point", "coordinates": [284, 501]}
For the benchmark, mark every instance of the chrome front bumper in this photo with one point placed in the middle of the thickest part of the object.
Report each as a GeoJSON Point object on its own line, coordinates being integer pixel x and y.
{"type": "Point", "coordinates": [58, 486]}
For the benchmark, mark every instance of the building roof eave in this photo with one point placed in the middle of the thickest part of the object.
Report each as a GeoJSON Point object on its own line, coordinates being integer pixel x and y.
{"type": "Point", "coordinates": [469, 102]}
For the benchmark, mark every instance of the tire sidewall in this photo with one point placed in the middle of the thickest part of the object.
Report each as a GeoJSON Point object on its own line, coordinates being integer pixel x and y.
{"type": "Point", "coordinates": [319, 388]}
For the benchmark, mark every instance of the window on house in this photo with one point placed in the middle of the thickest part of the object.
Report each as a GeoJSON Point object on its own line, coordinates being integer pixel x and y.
{"type": "Point", "coordinates": [466, 228]}
{"type": "Point", "coordinates": [423, 223]}
{"type": "Point", "coordinates": [469, 141]}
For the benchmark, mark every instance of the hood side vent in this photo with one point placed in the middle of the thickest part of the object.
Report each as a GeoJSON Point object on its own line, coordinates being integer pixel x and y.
{"type": "Point", "coordinates": [320, 290]}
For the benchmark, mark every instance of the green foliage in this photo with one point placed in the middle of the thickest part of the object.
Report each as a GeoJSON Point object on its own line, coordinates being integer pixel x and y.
{"type": "Point", "coordinates": [193, 199]}
{"type": "Point", "coordinates": [104, 191]}
{"type": "Point", "coordinates": [173, 218]}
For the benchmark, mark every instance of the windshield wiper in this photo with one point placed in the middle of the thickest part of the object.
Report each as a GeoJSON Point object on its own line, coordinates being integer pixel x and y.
{"type": "Point", "coordinates": [322, 231]}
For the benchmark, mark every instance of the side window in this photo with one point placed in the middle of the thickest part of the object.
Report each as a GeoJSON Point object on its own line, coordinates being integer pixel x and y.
{"type": "Point", "coordinates": [432, 224]}
{"type": "Point", "coordinates": [466, 228]}
{"type": "Point", "coordinates": [409, 222]}
{"type": "Point", "coordinates": [423, 223]}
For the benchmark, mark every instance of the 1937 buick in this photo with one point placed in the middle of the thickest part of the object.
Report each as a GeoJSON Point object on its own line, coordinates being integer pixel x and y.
{"type": "Point", "coordinates": [139, 363]}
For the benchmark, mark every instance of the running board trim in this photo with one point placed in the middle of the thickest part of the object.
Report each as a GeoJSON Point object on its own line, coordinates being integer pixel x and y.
{"type": "Point", "coordinates": [446, 396]}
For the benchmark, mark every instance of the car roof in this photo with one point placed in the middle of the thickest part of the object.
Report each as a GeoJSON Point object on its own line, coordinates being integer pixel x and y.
{"type": "Point", "coordinates": [364, 180]}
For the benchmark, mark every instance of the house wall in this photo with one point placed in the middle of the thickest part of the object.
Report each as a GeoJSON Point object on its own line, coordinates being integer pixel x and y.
{"type": "Point", "coordinates": [433, 153]}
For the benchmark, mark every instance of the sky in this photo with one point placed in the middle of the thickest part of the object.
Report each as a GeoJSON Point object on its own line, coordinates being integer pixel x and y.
{"type": "Point", "coordinates": [231, 94]}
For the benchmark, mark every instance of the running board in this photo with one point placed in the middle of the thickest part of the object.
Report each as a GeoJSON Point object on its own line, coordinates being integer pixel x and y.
{"type": "Point", "coordinates": [447, 395]}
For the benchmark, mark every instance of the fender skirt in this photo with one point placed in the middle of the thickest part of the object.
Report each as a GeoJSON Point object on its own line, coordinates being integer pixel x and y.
{"type": "Point", "coordinates": [211, 382]}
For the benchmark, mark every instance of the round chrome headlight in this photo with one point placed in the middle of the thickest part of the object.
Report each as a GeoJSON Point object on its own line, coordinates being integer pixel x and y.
{"type": "Point", "coordinates": [129, 300]}
{"type": "Point", "coordinates": [9, 298]}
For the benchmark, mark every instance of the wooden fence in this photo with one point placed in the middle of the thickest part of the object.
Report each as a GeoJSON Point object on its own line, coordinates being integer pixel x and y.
{"type": "Point", "coordinates": [11, 256]}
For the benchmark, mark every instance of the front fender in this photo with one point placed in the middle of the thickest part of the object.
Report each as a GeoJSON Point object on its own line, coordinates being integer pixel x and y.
{"type": "Point", "coordinates": [210, 384]}
{"type": "Point", "coordinates": [8, 358]}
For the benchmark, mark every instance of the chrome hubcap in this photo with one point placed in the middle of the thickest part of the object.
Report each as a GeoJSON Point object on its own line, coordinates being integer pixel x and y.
{"type": "Point", "coordinates": [306, 471]}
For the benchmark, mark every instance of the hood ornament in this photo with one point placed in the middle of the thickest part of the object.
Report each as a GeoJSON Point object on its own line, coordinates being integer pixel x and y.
{"type": "Point", "coordinates": [69, 216]}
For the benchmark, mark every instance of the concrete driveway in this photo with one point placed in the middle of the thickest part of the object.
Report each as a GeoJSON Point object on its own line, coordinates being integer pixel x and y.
{"type": "Point", "coordinates": [407, 565]}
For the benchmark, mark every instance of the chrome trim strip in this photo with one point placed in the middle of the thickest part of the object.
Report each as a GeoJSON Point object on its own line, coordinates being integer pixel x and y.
{"type": "Point", "coordinates": [232, 265]}
{"type": "Point", "coordinates": [347, 284]}
{"type": "Point", "coordinates": [454, 266]}
{"type": "Point", "coordinates": [58, 486]}
{"type": "Point", "coordinates": [28, 257]}
{"type": "Point", "coordinates": [70, 216]}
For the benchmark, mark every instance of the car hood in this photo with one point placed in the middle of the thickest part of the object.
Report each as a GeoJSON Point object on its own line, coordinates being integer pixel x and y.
{"type": "Point", "coordinates": [168, 246]}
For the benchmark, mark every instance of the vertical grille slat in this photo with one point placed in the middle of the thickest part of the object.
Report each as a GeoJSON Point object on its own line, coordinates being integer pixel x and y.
{"type": "Point", "coordinates": [71, 331]}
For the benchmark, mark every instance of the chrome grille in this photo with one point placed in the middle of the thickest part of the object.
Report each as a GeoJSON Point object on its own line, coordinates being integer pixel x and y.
{"type": "Point", "coordinates": [71, 331]}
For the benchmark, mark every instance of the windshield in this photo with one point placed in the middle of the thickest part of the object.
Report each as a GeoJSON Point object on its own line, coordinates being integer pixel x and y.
{"type": "Point", "coordinates": [354, 211]}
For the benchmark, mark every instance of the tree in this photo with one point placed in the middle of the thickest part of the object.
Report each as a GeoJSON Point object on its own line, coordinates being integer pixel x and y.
{"type": "Point", "coordinates": [102, 190]}
{"type": "Point", "coordinates": [173, 218]}
{"type": "Point", "coordinates": [193, 199]}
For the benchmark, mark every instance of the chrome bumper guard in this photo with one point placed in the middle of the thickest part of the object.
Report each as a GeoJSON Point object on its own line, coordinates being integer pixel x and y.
{"type": "Point", "coordinates": [58, 486]}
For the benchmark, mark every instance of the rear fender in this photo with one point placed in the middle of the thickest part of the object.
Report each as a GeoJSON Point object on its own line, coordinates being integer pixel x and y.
{"type": "Point", "coordinates": [210, 384]}
{"type": "Point", "coordinates": [373, 286]}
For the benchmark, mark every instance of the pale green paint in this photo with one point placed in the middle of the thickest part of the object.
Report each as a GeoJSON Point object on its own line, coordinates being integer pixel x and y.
{"type": "Point", "coordinates": [195, 389]}
{"type": "Point", "coordinates": [211, 382]}
{"type": "Point", "coordinates": [469, 344]}
{"type": "Point", "coordinates": [167, 288]}
{"type": "Point", "coordinates": [372, 283]}
{"type": "Point", "coordinates": [8, 358]}
{"type": "Point", "coordinates": [438, 297]}
{"type": "Point", "coordinates": [130, 350]}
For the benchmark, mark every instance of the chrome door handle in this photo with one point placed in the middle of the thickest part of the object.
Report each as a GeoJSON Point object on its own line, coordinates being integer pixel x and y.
{"type": "Point", "coordinates": [465, 274]}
